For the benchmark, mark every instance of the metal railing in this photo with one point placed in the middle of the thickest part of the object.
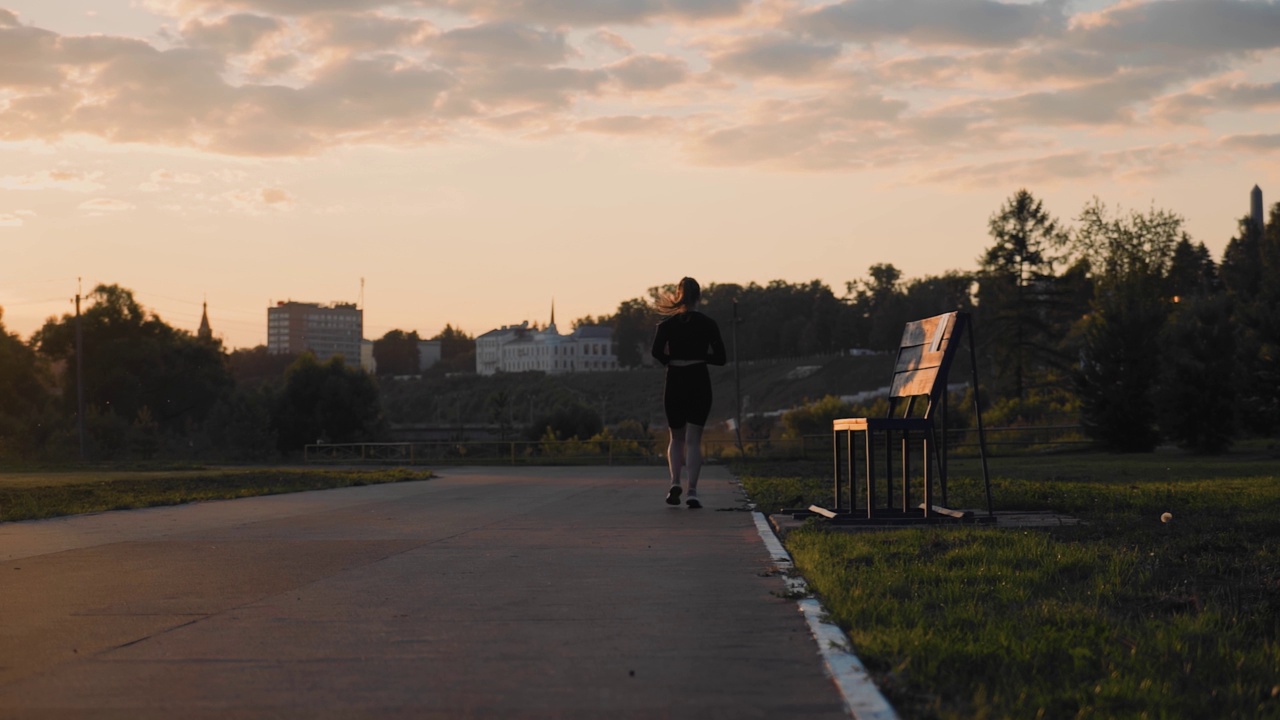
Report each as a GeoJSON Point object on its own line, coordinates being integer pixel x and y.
{"type": "Point", "coordinates": [614, 451]}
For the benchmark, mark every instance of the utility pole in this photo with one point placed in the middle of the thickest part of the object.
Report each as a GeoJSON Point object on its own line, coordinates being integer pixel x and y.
{"type": "Point", "coordinates": [84, 454]}
{"type": "Point", "coordinates": [737, 382]}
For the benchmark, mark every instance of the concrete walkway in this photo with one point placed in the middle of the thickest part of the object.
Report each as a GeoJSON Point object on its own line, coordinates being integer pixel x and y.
{"type": "Point", "coordinates": [485, 593]}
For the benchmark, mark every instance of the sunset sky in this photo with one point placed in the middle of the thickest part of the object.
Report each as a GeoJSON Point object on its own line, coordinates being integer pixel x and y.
{"type": "Point", "coordinates": [472, 160]}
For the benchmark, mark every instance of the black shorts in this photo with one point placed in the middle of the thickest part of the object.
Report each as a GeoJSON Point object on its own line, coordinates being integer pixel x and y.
{"type": "Point", "coordinates": [686, 397]}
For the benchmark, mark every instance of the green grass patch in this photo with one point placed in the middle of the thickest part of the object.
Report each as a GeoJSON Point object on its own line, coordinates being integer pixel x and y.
{"type": "Point", "coordinates": [34, 495]}
{"type": "Point", "coordinates": [1121, 616]}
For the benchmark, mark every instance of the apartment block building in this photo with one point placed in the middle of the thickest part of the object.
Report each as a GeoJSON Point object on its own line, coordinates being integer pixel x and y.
{"type": "Point", "coordinates": [325, 330]}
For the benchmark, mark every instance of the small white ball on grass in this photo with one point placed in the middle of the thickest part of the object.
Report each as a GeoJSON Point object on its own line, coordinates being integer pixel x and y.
{"type": "Point", "coordinates": [1166, 517]}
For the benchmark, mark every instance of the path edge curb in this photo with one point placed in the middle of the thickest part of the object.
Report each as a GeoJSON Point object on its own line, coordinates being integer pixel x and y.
{"type": "Point", "coordinates": [862, 699]}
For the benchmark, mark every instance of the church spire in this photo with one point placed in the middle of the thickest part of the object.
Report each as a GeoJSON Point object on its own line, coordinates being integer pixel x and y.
{"type": "Point", "coordinates": [553, 312]}
{"type": "Point", "coordinates": [205, 332]}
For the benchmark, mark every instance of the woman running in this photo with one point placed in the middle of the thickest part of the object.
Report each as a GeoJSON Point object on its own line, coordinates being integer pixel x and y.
{"type": "Point", "coordinates": [686, 342]}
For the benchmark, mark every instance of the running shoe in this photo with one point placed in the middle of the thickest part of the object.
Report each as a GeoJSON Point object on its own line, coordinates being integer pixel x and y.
{"type": "Point", "coordinates": [693, 502]}
{"type": "Point", "coordinates": [673, 495]}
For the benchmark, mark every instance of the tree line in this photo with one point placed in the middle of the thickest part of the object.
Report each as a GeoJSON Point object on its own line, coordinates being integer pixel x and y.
{"type": "Point", "coordinates": [151, 390]}
{"type": "Point", "coordinates": [1116, 320]}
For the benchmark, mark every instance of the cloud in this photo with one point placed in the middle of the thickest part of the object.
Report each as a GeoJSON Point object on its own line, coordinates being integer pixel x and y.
{"type": "Point", "coordinates": [839, 131]}
{"type": "Point", "coordinates": [238, 33]}
{"type": "Point", "coordinates": [364, 32]}
{"type": "Point", "coordinates": [1256, 142]}
{"type": "Point", "coordinates": [628, 125]}
{"type": "Point", "coordinates": [161, 180]}
{"type": "Point", "coordinates": [274, 65]}
{"type": "Point", "coordinates": [777, 56]}
{"type": "Point", "coordinates": [259, 200]}
{"type": "Point", "coordinates": [105, 206]}
{"type": "Point", "coordinates": [523, 85]}
{"type": "Point", "coordinates": [27, 56]}
{"type": "Point", "coordinates": [792, 84]}
{"type": "Point", "coordinates": [556, 12]}
{"type": "Point", "coordinates": [608, 39]}
{"type": "Point", "coordinates": [1105, 102]}
{"type": "Point", "coordinates": [504, 42]}
{"type": "Point", "coordinates": [971, 23]}
{"type": "Point", "coordinates": [1069, 166]}
{"type": "Point", "coordinates": [273, 7]}
{"type": "Point", "coordinates": [10, 219]}
{"type": "Point", "coordinates": [1217, 96]}
{"type": "Point", "coordinates": [649, 72]}
{"type": "Point", "coordinates": [1179, 29]}
{"type": "Point", "coordinates": [61, 179]}
{"type": "Point", "coordinates": [595, 12]}
{"type": "Point", "coordinates": [127, 91]}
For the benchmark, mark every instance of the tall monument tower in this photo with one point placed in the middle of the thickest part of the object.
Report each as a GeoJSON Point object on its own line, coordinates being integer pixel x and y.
{"type": "Point", "coordinates": [1255, 208]}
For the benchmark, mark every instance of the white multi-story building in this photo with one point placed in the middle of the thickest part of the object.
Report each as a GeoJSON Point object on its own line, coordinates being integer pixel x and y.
{"type": "Point", "coordinates": [520, 348]}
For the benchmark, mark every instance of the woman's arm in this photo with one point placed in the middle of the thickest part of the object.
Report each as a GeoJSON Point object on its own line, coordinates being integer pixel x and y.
{"type": "Point", "coordinates": [715, 349]}
{"type": "Point", "coordinates": [660, 351]}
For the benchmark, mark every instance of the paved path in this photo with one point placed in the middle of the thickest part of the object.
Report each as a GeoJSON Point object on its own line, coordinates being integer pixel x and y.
{"type": "Point", "coordinates": [485, 593]}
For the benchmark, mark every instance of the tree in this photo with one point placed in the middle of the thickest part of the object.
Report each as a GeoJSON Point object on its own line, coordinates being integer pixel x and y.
{"type": "Point", "coordinates": [570, 420]}
{"type": "Point", "coordinates": [1016, 291]}
{"type": "Point", "coordinates": [1195, 397]}
{"type": "Point", "coordinates": [880, 305]}
{"type": "Point", "coordinates": [326, 402]}
{"type": "Point", "coordinates": [457, 351]}
{"type": "Point", "coordinates": [633, 328]}
{"type": "Point", "coordinates": [396, 353]}
{"type": "Point", "coordinates": [257, 366]}
{"type": "Point", "coordinates": [1129, 257]}
{"type": "Point", "coordinates": [23, 395]}
{"type": "Point", "coordinates": [1250, 271]}
{"type": "Point", "coordinates": [134, 361]}
{"type": "Point", "coordinates": [1192, 270]}
{"type": "Point", "coordinates": [240, 425]}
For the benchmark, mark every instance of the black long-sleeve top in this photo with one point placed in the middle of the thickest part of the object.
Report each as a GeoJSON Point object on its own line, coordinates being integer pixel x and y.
{"type": "Point", "coordinates": [689, 336]}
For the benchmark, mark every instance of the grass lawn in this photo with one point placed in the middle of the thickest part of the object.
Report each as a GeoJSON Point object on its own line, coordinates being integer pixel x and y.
{"type": "Point", "coordinates": [1122, 616]}
{"type": "Point", "coordinates": [31, 495]}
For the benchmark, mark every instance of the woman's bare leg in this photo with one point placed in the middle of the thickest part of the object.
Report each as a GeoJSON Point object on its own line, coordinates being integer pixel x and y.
{"type": "Point", "coordinates": [693, 455]}
{"type": "Point", "coordinates": [675, 454]}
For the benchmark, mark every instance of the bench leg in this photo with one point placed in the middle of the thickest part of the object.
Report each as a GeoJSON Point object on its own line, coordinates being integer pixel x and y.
{"type": "Point", "coordinates": [928, 491]}
{"type": "Point", "coordinates": [871, 472]}
{"type": "Point", "coordinates": [906, 471]}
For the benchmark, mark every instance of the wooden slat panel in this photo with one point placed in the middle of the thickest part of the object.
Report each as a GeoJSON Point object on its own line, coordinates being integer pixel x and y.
{"type": "Point", "coordinates": [917, 357]}
{"type": "Point", "coordinates": [914, 382]}
{"type": "Point", "coordinates": [920, 332]}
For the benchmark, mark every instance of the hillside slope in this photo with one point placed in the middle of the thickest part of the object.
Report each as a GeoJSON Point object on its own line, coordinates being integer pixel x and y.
{"type": "Point", "coordinates": [767, 386]}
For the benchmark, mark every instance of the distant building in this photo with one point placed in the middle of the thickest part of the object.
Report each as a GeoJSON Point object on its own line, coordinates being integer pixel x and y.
{"type": "Point", "coordinates": [520, 348]}
{"type": "Point", "coordinates": [326, 330]}
{"type": "Point", "coordinates": [429, 353]}
{"type": "Point", "coordinates": [205, 333]}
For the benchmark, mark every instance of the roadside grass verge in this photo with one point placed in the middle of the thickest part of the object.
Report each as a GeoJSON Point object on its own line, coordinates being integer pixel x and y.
{"type": "Point", "coordinates": [35, 495]}
{"type": "Point", "coordinates": [1122, 616]}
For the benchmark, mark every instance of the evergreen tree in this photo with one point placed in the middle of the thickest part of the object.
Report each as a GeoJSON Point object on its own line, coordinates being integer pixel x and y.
{"type": "Point", "coordinates": [1195, 395]}
{"type": "Point", "coordinates": [1250, 272]}
{"type": "Point", "coordinates": [1017, 292]}
{"type": "Point", "coordinates": [1120, 360]}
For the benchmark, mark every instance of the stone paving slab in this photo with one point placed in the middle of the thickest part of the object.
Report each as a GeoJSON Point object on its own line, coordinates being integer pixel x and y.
{"type": "Point", "coordinates": [527, 592]}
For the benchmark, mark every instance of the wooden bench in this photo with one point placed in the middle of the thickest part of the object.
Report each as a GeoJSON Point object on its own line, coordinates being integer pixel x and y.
{"type": "Point", "coordinates": [917, 403]}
